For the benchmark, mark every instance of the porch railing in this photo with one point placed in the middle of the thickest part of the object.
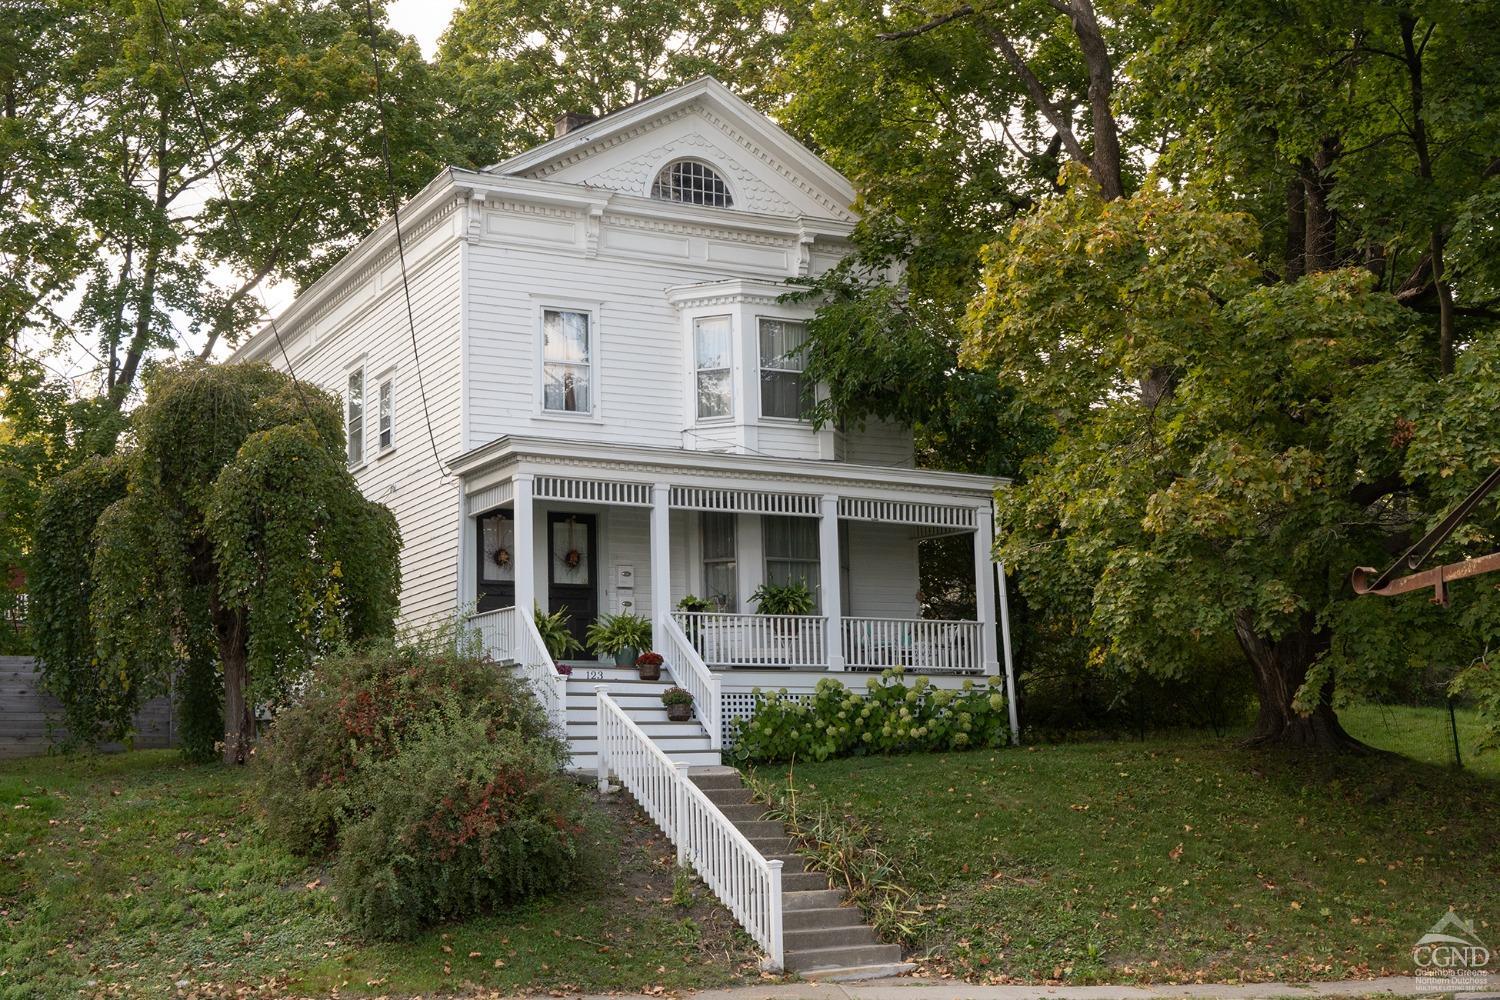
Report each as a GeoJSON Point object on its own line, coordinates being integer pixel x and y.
{"type": "Point", "coordinates": [534, 664]}
{"type": "Point", "coordinates": [497, 633]}
{"type": "Point", "coordinates": [732, 640]}
{"type": "Point", "coordinates": [746, 882]}
{"type": "Point", "coordinates": [691, 673]}
{"type": "Point", "coordinates": [918, 644]}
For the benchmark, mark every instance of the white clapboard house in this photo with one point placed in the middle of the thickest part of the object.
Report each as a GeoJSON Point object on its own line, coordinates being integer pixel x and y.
{"type": "Point", "coordinates": [586, 393]}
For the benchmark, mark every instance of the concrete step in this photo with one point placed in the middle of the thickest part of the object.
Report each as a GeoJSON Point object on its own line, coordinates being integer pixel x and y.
{"type": "Point", "coordinates": [728, 796]}
{"type": "Point", "coordinates": [840, 960]}
{"type": "Point", "coordinates": [669, 745]}
{"type": "Point", "coordinates": [771, 846]}
{"type": "Point", "coordinates": [884, 970]}
{"type": "Point", "coordinates": [790, 863]}
{"type": "Point", "coordinates": [819, 899]}
{"type": "Point", "coordinates": [803, 881]}
{"type": "Point", "coordinates": [742, 810]}
{"type": "Point", "coordinates": [830, 916]}
{"type": "Point", "coordinates": [588, 761]}
{"type": "Point", "coordinates": [825, 938]}
{"type": "Point", "coordinates": [716, 777]}
{"type": "Point", "coordinates": [755, 829]}
{"type": "Point", "coordinates": [588, 729]}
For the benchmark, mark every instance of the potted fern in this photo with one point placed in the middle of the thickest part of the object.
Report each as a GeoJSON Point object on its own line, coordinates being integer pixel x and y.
{"type": "Point", "coordinates": [622, 636]}
{"type": "Point", "coordinates": [679, 704]}
{"type": "Point", "coordinates": [555, 634]}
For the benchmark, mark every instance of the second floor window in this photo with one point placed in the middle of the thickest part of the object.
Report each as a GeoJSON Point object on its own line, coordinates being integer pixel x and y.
{"type": "Point", "coordinates": [386, 431]}
{"type": "Point", "coordinates": [711, 347]}
{"type": "Point", "coordinates": [783, 392]}
{"type": "Point", "coordinates": [567, 362]}
{"type": "Point", "coordinates": [354, 416]}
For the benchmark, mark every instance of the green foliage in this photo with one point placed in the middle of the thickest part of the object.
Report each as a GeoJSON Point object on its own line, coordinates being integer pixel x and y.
{"type": "Point", "coordinates": [676, 696]}
{"type": "Point", "coordinates": [609, 634]}
{"type": "Point", "coordinates": [464, 817]}
{"type": "Point", "coordinates": [512, 67]}
{"type": "Point", "coordinates": [693, 602]}
{"type": "Point", "coordinates": [354, 712]}
{"type": "Point", "coordinates": [554, 631]}
{"type": "Point", "coordinates": [889, 716]}
{"type": "Point", "coordinates": [783, 599]}
{"type": "Point", "coordinates": [97, 705]}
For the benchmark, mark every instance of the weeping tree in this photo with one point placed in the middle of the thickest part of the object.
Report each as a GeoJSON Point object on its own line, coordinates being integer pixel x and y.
{"type": "Point", "coordinates": [227, 548]}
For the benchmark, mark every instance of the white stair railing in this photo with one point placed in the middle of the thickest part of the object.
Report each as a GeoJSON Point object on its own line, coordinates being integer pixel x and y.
{"type": "Point", "coordinates": [745, 881]}
{"type": "Point", "coordinates": [534, 663]}
{"type": "Point", "coordinates": [690, 673]}
{"type": "Point", "coordinates": [497, 633]}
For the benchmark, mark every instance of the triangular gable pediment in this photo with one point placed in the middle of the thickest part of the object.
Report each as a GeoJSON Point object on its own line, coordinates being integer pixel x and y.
{"type": "Point", "coordinates": [767, 170]}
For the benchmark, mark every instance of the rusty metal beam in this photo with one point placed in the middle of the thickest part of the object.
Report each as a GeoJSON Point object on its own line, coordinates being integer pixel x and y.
{"type": "Point", "coordinates": [1366, 580]}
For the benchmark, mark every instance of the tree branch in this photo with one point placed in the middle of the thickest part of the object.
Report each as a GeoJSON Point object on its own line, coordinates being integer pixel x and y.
{"type": "Point", "coordinates": [922, 29]}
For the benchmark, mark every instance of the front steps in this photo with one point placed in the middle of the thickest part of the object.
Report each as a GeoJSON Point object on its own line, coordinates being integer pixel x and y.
{"type": "Point", "coordinates": [683, 742]}
{"type": "Point", "coordinates": [823, 936]}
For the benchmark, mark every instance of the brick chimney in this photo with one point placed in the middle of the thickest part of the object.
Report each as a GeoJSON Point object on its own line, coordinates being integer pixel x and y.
{"type": "Point", "coordinates": [570, 121]}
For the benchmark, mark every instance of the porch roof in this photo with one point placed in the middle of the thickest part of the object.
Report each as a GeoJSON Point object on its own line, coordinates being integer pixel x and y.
{"type": "Point", "coordinates": [500, 459]}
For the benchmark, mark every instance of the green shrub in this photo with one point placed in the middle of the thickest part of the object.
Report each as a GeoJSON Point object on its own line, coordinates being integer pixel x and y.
{"type": "Point", "coordinates": [889, 716]}
{"type": "Point", "coordinates": [461, 818]}
{"type": "Point", "coordinates": [353, 712]}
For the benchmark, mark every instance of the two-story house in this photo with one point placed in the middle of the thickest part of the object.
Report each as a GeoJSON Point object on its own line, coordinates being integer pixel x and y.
{"type": "Point", "coordinates": [577, 386]}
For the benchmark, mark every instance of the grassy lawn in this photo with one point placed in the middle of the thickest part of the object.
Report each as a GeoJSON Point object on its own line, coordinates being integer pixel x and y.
{"type": "Point", "coordinates": [130, 873]}
{"type": "Point", "coordinates": [1176, 860]}
{"type": "Point", "coordinates": [1422, 734]}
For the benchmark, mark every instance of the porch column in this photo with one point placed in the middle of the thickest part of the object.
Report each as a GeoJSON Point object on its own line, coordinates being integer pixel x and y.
{"type": "Point", "coordinates": [832, 581]}
{"type": "Point", "coordinates": [1010, 667]}
{"type": "Point", "coordinates": [524, 558]}
{"type": "Point", "coordinates": [661, 552]}
{"type": "Point", "coordinates": [984, 585]}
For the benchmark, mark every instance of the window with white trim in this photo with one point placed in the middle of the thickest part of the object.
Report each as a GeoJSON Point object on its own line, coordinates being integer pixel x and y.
{"type": "Point", "coordinates": [692, 183]}
{"type": "Point", "coordinates": [720, 569]}
{"type": "Point", "coordinates": [783, 390]}
{"type": "Point", "coordinates": [712, 348]}
{"type": "Point", "coordinates": [354, 416]}
{"type": "Point", "coordinates": [567, 362]}
{"type": "Point", "coordinates": [386, 413]}
{"type": "Point", "coordinates": [791, 545]}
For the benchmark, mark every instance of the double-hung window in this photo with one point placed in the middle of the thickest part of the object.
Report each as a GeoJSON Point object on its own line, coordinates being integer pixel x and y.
{"type": "Point", "coordinates": [712, 336]}
{"type": "Point", "coordinates": [567, 362]}
{"type": "Point", "coordinates": [385, 429]}
{"type": "Point", "coordinates": [354, 416]}
{"type": "Point", "coordinates": [783, 391]}
{"type": "Point", "coordinates": [720, 571]}
{"type": "Point", "coordinates": [791, 550]}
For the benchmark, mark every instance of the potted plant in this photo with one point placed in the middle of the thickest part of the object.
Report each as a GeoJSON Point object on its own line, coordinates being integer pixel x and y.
{"type": "Point", "coordinates": [649, 664]}
{"type": "Point", "coordinates": [553, 629]}
{"type": "Point", "coordinates": [622, 636]}
{"type": "Point", "coordinates": [679, 704]}
{"type": "Point", "coordinates": [694, 604]}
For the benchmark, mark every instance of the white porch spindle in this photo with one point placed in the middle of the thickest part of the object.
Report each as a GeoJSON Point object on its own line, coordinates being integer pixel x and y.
{"type": "Point", "coordinates": [524, 558]}
{"type": "Point", "coordinates": [832, 580]}
{"type": "Point", "coordinates": [661, 554]}
{"type": "Point", "coordinates": [984, 587]}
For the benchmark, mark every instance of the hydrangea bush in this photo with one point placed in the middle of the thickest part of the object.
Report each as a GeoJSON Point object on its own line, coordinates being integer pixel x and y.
{"type": "Point", "coordinates": [888, 716]}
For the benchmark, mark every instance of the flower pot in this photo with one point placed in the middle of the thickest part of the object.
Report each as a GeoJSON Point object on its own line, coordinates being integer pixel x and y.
{"type": "Point", "coordinates": [625, 657]}
{"type": "Point", "coordinates": [650, 671]}
{"type": "Point", "coordinates": [678, 712]}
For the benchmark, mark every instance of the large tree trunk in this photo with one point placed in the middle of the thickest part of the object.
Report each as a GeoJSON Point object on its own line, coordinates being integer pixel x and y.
{"type": "Point", "coordinates": [1321, 225]}
{"type": "Point", "coordinates": [239, 724]}
{"type": "Point", "coordinates": [1280, 667]}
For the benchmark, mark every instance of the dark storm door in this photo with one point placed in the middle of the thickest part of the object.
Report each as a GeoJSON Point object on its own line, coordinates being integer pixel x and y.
{"type": "Point", "coordinates": [573, 569]}
{"type": "Point", "coordinates": [497, 569]}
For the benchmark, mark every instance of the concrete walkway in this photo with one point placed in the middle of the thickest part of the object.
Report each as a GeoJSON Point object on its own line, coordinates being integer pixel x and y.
{"type": "Point", "coordinates": [933, 989]}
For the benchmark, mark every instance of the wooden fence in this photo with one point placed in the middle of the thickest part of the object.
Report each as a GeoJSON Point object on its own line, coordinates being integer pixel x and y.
{"type": "Point", "coordinates": [25, 712]}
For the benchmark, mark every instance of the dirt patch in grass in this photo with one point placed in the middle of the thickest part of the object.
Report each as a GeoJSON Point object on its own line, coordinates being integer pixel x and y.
{"type": "Point", "coordinates": [128, 875]}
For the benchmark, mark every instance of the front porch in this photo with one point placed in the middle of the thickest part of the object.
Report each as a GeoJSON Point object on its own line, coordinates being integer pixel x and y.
{"type": "Point", "coordinates": [596, 529]}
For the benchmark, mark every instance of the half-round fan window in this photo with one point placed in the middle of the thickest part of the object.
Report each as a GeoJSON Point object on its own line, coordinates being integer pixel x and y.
{"type": "Point", "coordinates": [692, 183]}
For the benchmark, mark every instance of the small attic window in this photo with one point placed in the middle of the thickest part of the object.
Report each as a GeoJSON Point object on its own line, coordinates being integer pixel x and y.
{"type": "Point", "coordinates": [692, 183]}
